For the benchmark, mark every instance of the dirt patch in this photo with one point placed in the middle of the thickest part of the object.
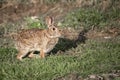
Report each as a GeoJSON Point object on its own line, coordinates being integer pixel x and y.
{"type": "Point", "coordinates": [81, 34]}
{"type": "Point", "coordinates": [107, 33]}
{"type": "Point", "coordinates": [73, 76]}
{"type": "Point", "coordinates": [13, 10]}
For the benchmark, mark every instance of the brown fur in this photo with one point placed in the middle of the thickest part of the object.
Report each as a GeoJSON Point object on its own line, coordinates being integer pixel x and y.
{"type": "Point", "coordinates": [42, 40]}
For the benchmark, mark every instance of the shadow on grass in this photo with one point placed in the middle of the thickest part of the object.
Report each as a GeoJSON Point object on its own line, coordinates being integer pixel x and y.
{"type": "Point", "coordinates": [66, 44]}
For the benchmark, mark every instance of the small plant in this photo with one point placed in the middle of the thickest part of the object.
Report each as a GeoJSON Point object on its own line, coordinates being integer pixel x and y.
{"type": "Point", "coordinates": [34, 23]}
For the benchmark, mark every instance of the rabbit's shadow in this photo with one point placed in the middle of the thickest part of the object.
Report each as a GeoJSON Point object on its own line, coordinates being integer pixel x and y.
{"type": "Point", "coordinates": [66, 44]}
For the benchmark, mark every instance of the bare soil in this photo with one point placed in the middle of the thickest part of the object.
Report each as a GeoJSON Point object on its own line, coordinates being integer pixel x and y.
{"type": "Point", "coordinates": [13, 10]}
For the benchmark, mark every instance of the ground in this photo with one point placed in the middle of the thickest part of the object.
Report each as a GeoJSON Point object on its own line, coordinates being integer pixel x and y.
{"type": "Point", "coordinates": [90, 49]}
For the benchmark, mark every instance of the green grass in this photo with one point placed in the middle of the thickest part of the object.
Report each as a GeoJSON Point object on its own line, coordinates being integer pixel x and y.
{"type": "Point", "coordinates": [92, 17]}
{"type": "Point", "coordinates": [94, 57]}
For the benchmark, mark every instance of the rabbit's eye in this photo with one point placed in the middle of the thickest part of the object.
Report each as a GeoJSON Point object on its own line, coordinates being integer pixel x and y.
{"type": "Point", "coordinates": [53, 29]}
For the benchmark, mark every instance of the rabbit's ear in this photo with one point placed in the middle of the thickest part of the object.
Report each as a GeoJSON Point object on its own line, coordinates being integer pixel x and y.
{"type": "Point", "coordinates": [49, 21]}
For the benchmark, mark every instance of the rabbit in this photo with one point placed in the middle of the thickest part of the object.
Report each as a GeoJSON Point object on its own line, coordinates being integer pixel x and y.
{"type": "Point", "coordinates": [43, 40]}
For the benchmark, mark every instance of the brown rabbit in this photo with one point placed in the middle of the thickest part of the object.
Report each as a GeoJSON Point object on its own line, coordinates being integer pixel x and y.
{"type": "Point", "coordinates": [43, 40]}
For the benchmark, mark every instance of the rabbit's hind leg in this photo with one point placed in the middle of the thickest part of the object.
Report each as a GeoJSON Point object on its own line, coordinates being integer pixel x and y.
{"type": "Point", "coordinates": [21, 54]}
{"type": "Point", "coordinates": [31, 55]}
{"type": "Point", "coordinates": [42, 54]}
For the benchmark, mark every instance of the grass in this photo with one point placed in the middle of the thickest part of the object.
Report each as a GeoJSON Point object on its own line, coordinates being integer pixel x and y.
{"type": "Point", "coordinates": [94, 57]}
{"type": "Point", "coordinates": [92, 17]}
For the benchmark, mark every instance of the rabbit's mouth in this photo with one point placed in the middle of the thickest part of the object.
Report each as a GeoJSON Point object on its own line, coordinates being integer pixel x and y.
{"type": "Point", "coordinates": [55, 36]}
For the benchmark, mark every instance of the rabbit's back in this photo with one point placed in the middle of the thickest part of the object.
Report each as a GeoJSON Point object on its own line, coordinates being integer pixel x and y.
{"type": "Point", "coordinates": [34, 39]}
{"type": "Point", "coordinates": [29, 38]}
{"type": "Point", "coordinates": [29, 33]}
